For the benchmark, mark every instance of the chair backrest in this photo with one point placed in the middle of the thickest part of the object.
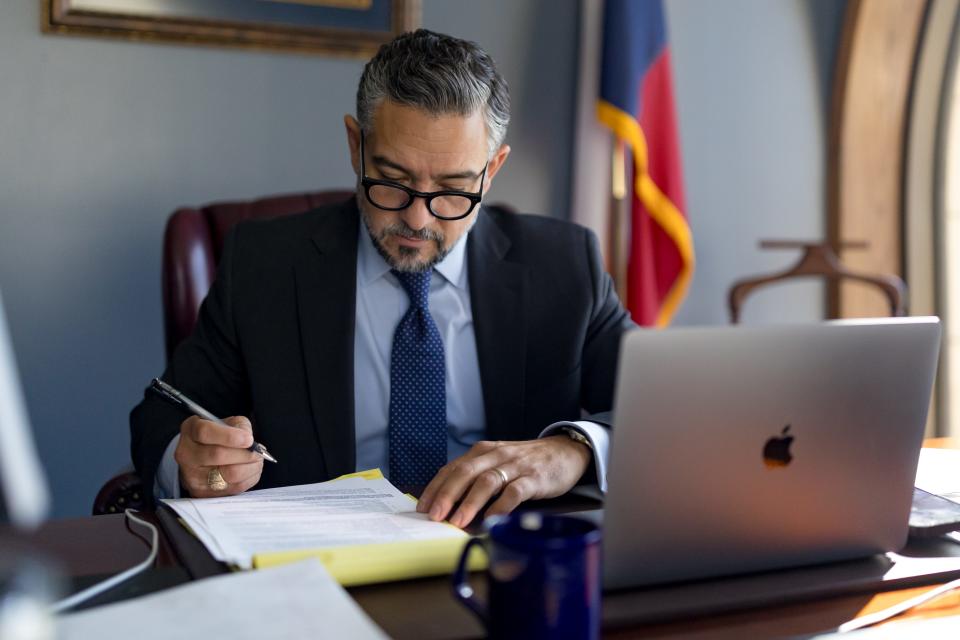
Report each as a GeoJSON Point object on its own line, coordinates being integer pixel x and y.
{"type": "Point", "coordinates": [192, 244]}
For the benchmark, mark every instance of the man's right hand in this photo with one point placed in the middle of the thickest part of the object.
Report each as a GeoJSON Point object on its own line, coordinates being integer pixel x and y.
{"type": "Point", "coordinates": [206, 445]}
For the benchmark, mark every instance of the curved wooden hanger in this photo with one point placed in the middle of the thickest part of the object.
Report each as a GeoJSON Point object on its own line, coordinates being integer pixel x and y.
{"type": "Point", "coordinates": [818, 259]}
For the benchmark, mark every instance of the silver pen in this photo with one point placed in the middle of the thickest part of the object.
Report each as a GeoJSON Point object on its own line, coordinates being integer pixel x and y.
{"type": "Point", "coordinates": [171, 394]}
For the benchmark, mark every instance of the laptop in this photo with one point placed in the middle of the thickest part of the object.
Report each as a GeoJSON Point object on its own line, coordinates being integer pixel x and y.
{"type": "Point", "coordinates": [744, 449]}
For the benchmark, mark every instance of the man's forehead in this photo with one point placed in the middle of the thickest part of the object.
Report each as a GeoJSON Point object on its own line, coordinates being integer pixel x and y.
{"type": "Point", "coordinates": [423, 143]}
{"type": "Point", "coordinates": [397, 114]}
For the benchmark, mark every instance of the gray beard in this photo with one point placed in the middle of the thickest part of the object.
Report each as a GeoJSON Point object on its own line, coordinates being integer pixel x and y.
{"type": "Point", "coordinates": [407, 261]}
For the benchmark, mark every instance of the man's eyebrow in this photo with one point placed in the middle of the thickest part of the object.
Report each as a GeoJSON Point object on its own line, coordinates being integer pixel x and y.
{"type": "Point", "coordinates": [380, 161]}
{"type": "Point", "coordinates": [460, 175]}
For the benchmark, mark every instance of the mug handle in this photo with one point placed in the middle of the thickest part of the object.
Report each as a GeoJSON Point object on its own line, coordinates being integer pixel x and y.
{"type": "Point", "coordinates": [462, 590]}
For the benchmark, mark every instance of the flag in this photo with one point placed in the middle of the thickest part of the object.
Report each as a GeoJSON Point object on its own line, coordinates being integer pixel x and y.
{"type": "Point", "coordinates": [636, 104]}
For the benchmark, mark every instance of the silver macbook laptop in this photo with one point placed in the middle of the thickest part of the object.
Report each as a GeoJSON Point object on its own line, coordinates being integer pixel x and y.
{"type": "Point", "coordinates": [743, 449]}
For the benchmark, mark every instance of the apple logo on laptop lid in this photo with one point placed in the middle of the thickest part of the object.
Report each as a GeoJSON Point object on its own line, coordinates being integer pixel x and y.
{"type": "Point", "coordinates": [776, 453]}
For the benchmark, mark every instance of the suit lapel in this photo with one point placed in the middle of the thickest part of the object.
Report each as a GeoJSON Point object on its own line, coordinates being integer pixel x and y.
{"type": "Point", "coordinates": [497, 295]}
{"type": "Point", "coordinates": [325, 275]}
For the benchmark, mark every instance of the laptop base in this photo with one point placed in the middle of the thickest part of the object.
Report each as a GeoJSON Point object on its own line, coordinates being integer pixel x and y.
{"type": "Point", "coordinates": [922, 562]}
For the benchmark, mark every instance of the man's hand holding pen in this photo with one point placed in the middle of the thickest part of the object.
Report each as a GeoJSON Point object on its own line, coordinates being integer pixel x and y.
{"type": "Point", "coordinates": [216, 457]}
{"type": "Point", "coordinates": [206, 448]}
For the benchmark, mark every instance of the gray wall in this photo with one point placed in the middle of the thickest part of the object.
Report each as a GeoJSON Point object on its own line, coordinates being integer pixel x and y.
{"type": "Point", "coordinates": [100, 140]}
{"type": "Point", "coordinates": [752, 86]}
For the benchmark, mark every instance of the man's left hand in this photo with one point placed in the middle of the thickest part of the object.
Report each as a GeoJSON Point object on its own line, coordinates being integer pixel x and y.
{"type": "Point", "coordinates": [531, 469]}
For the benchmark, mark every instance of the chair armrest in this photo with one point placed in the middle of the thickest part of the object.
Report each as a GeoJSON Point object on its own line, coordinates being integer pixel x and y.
{"type": "Point", "coordinates": [123, 491]}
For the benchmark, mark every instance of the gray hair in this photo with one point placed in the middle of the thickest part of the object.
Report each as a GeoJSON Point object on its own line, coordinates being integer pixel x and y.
{"type": "Point", "coordinates": [439, 74]}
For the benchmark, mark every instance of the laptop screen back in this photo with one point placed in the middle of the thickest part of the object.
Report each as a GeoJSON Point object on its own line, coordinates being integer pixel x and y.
{"type": "Point", "coordinates": [744, 449]}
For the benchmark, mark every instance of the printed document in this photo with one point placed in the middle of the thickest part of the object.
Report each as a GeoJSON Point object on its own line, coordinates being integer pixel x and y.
{"type": "Point", "coordinates": [939, 473]}
{"type": "Point", "coordinates": [341, 513]}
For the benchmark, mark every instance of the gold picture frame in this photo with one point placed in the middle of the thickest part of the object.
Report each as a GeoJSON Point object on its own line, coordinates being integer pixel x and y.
{"type": "Point", "coordinates": [352, 28]}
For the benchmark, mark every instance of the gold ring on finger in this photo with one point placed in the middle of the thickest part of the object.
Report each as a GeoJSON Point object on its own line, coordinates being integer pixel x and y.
{"type": "Point", "coordinates": [215, 480]}
{"type": "Point", "coordinates": [503, 476]}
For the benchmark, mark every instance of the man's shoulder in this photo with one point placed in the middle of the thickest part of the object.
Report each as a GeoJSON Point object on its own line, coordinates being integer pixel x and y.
{"type": "Point", "coordinates": [505, 217]}
{"type": "Point", "coordinates": [510, 221]}
{"type": "Point", "coordinates": [279, 233]}
{"type": "Point", "coordinates": [537, 234]}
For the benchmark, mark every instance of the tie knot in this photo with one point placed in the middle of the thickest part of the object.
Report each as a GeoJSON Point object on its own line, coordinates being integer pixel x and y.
{"type": "Point", "coordinates": [416, 284]}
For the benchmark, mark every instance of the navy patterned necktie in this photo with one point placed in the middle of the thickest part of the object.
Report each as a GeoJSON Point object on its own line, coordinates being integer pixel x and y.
{"type": "Point", "coordinates": [418, 398]}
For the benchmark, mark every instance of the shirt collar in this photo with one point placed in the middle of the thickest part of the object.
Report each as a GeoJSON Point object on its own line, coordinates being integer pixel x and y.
{"type": "Point", "coordinates": [371, 266]}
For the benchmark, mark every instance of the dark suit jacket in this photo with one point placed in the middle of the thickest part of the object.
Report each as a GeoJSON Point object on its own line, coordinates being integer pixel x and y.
{"type": "Point", "coordinates": [274, 339]}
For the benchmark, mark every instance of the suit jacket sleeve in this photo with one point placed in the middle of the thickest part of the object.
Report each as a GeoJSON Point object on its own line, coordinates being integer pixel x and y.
{"type": "Point", "coordinates": [608, 322]}
{"type": "Point", "coordinates": [207, 367]}
{"type": "Point", "coordinates": [601, 351]}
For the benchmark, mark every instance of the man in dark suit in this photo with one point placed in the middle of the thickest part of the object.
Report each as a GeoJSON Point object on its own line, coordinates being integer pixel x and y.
{"type": "Point", "coordinates": [412, 329]}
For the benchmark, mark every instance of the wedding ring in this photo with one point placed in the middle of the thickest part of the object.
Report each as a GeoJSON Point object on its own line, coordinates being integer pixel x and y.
{"type": "Point", "coordinates": [503, 476]}
{"type": "Point", "coordinates": [215, 480]}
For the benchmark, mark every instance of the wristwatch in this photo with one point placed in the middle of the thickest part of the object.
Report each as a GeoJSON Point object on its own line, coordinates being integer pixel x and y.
{"type": "Point", "coordinates": [575, 435]}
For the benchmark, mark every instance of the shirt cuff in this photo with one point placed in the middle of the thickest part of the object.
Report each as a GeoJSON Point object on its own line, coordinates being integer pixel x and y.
{"type": "Point", "coordinates": [166, 484]}
{"type": "Point", "coordinates": [599, 439]}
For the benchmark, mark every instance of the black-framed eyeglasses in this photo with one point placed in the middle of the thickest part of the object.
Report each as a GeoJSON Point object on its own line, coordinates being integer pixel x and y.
{"type": "Point", "coordinates": [393, 196]}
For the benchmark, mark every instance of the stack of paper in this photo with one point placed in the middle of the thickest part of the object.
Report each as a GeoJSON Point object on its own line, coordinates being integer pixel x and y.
{"type": "Point", "coordinates": [297, 601]}
{"type": "Point", "coordinates": [362, 528]}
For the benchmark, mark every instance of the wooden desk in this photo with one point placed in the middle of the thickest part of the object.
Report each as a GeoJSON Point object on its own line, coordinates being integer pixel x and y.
{"type": "Point", "coordinates": [89, 548]}
{"type": "Point", "coordinates": [942, 443]}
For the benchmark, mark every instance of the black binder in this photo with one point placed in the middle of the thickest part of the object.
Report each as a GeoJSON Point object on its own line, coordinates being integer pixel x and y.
{"type": "Point", "coordinates": [189, 550]}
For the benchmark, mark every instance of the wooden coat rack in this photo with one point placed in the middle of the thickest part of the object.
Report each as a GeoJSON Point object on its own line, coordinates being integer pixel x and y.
{"type": "Point", "coordinates": [818, 259]}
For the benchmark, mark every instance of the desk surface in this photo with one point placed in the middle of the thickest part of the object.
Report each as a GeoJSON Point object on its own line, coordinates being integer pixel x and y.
{"type": "Point", "coordinates": [95, 546]}
{"type": "Point", "coordinates": [90, 547]}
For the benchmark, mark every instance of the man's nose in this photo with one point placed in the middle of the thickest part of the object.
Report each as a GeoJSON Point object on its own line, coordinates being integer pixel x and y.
{"type": "Point", "coordinates": [417, 215]}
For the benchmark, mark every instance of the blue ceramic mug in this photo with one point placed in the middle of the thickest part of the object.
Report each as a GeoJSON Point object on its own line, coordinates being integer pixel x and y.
{"type": "Point", "coordinates": [543, 577]}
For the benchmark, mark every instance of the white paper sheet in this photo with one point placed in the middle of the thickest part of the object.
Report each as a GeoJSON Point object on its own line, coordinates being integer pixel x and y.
{"type": "Point", "coordinates": [947, 628]}
{"type": "Point", "coordinates": [939, 473]}
{"type": "Point", "coordinates": [341, 512]}
{"type": "Point", "coordinates": [294, 601]}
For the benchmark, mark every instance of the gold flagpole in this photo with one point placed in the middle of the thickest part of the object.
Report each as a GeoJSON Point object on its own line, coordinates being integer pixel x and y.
{"type": "Point", "coordinates": [617, 265]}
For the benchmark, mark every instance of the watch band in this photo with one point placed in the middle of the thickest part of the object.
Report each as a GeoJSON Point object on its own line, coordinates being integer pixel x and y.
{"type": "Point", "coordinates": [575, 435]}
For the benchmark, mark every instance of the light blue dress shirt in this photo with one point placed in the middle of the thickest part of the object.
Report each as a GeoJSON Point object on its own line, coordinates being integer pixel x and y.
{"type": "Point", "coordinates": [381, 303]}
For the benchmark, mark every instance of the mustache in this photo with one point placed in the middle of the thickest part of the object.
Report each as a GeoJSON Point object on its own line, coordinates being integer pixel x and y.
{"type": "Point", "coordinates": [401, 229]}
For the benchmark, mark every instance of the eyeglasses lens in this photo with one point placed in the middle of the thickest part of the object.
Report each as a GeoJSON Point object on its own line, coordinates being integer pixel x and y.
{"type": "Point", "coordinates": [393, 198]}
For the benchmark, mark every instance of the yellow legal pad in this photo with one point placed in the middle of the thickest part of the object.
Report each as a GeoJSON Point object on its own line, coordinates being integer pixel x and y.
{"type": "Point", "coordinates": [367, 474]}
{"type": "Point", "coordinates": [371, 563]}
{"type": "Point", "coordinates": [387, 562]}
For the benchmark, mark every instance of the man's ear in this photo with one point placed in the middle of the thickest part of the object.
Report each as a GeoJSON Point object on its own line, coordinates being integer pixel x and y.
{"type": "Point", "coordinates": [353, 140]}
{"type": "Point", "coordinates": [494, 165]}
